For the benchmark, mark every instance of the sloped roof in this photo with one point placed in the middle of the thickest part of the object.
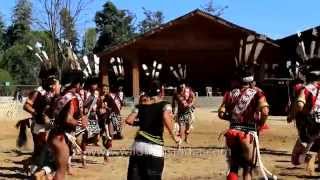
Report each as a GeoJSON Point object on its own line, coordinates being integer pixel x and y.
{"type": "Point", "coordinates": [289, 43]}
{"type": "Point", "coordinates": [179, 20]}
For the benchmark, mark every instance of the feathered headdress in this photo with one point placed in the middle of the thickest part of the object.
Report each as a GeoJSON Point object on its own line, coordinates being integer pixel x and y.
{"type": "Point", "coordinates": [70, 59]}
{"type": "Point", "coordinates": [249, 51]}
{"type": "Point", "coordinates": [47, 68]}
{"type": "Point", "coordinates": [71, 68]}
{"type": "Point", "coordinates": [179, 72]}
{"type": "Point", "coordinates": [91, 68]}
{"type": "Point", "coordinates": [309, 58]}
{"type": "Point", "coordinates": [152, 71]}
{"type": "Point", "coordinates": [152, 74]}
{"type": "Point", "coordinates": [118, 72]}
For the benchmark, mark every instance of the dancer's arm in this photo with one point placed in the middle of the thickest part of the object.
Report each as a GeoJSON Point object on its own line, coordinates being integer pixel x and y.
{"type": "Point", "coordinates": [131, 119]}
{"type": "Point", "coordinates": [222, 113]}
{"type": "Point", "coordinates": [29, 103]}
{"type": "Point", "coordinates": [173, 103]}
{"type": "Point", "coordinates": [70, 120]}
{"type": "Point", "coordinates": [301, 101]}
{"type": "Point", "coordinates": [191, 99]}
{"type": "Point", "coordinates": [264, 110]}
{"type": "Point", "coordinates": [168, 122]}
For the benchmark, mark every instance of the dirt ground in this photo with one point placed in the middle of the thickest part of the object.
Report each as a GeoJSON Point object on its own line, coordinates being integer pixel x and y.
{"type": "Point", "coordinates": [203, 158]}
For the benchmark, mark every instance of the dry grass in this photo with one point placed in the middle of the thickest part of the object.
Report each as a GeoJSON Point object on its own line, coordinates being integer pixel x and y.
{"type": "Point", "coordinates": [202, 159]}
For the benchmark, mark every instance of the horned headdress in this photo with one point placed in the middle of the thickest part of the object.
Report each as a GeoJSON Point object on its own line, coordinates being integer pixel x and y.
{"type": "Point", "coordinates": [71, 68]}
{"type": "Point", "coordinates": [249, 51]}
{"type": "Point", "coordinates": [91, 68]}
{"type": "Point", "coordinates": [308, 63]}
{"type": "Point", "coordinates": [47, 66]}
{"type": "Point", "coordinates": [179, 72]}
{"type": "Point", "coordinates": [152, 73]}
{"type": "Point", "coordinates": [118, 73]}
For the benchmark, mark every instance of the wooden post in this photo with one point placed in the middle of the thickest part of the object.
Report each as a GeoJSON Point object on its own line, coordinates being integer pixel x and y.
{"type": "Point", "coordinates": [135, 78]}
{"type": "Point", "coordinates": [104, 77]}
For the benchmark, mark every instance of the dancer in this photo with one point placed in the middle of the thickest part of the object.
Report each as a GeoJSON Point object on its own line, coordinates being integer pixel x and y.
{"type": "Point", "coordinates": [246, 108]}
{"type": "Point", "coordinates": [147, 159]}
{"type": "Point", "coordinates": [184, 98]}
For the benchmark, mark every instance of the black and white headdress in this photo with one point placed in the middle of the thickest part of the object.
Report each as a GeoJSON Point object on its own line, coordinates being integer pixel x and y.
{"type": "Point", "coordinates": [152, 75]}
{"type": "Point", "coordinates": [117, 67]}
{"type": "Point", "coordinates": [249, 51]}
{"type": "Point", "coordinates": [152, 71]}
{"type": "Point", "coordinates": [309, 56]}
{"type": "Point", "coordinates": [118, 73]}
{"type": "Point", "coordinates": [47, 68]}
{"type": "Point", "coordinates": [72, 72]}
{"type": "Point", "coordinates": [179, 72]}
{"type": "Point", "coordinates": [90, 68]}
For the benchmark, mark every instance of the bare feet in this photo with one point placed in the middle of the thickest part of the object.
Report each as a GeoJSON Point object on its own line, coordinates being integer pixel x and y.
{"type": "Point", "coordinates": [106, 159]}
{"type": "Point", "coordinates": [186, 140]}
{"type": "Point", "coordinates": [311, 164]}
{"type": "Point", "coordinates": [70, 170]}
{"type": "Point", "coordinates": [40, 175]}
{"type": "Point", "coordinates": [179, 144]}
{"type": "Point", "coordinates": [84, 164]}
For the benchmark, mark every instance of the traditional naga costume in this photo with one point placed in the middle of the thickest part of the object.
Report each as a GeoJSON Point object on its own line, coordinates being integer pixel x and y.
{"type": "Point", "coordinates": [91, 97]}
{"type": "Point", "coordinates": [68, 111]}
{"type": "Point", "coordinates": [184, 98]}
{"type": "Point", "coordinates": [113, 99]}
{"type": "Point", "coordinates": [305, 107]}
{"type": "Point", "coordinates": [39, 104]}
{"type": "Point", "coordinates": [246, 109]}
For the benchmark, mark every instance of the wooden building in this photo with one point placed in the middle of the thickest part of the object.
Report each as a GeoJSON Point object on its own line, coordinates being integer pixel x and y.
{"type": "Point", "coordinates": [206, 43]}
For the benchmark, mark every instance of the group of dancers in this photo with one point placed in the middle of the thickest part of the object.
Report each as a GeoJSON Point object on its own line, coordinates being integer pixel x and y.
{"type": "Point", "coordinates": [69, 115]}
{"type": "Point", "coordinates": [246, 109]}
{"type": "Point", "coordinates": [65, 121]}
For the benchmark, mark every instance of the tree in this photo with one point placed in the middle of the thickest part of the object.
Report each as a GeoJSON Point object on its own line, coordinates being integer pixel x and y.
{"type": "Point", "coordinates": [210, 8]}
{"type": "Point", "coordinates": [51, 11]}
{"type": "Point", "coordinates": [89, 41]}
{"type": "Point", "coordinates": [22, 13]}
{"type": "Point", "coordinates": [17, 62]}
{"type": "Point", "coordinates": [113, 26]}
{"type": "Point", "coordinates": [151, 21]}
{"type": "Point", "coordinates": [21, 22]}
{"type": "Point", "coordinates": [2, 35]}
{"type": "Point", "coordinates": [68, 27]}
{"type": "Point", "coordinates": [21, 63]}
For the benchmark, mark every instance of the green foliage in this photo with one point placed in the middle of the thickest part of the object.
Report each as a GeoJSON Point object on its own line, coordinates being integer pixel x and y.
{"type": "Point", "coordinates": [5, 77]}
{"type": "Point", "coordinates": [89, 41]}
{"type": "Point", "coordinates": [151, 21]}
{"type": "Point", "coordinates": [22, 13]}
{"type": "Point", "coordinates": [21, 64]}
{"type": "Point", "coordinates": [15, 33]}
{"type": "Point", "coordinates": [68, 26]}
{"type": "Point", "coordinates": [113, 26]}
{"type": "Point", "coordinates": [2, 36]}
{"type": "Point", "coordinates": [21, 22]}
